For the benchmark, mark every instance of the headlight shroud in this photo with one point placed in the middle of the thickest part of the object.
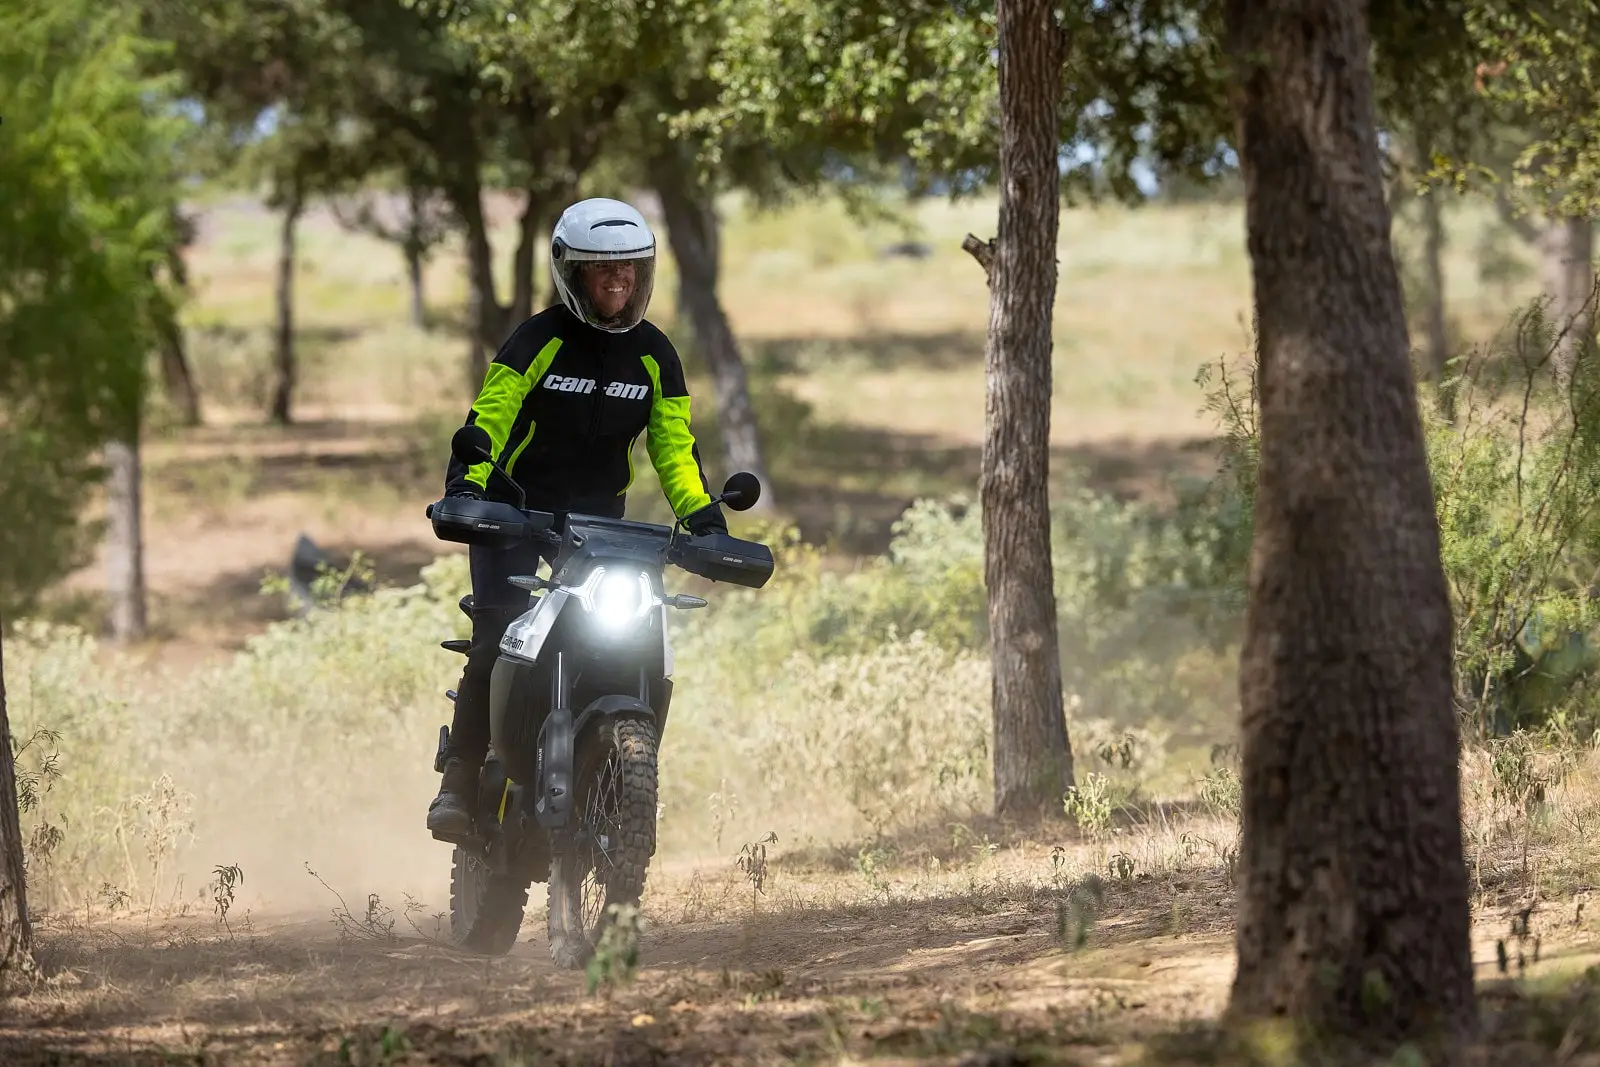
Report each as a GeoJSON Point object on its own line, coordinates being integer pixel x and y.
{"type": "Point", "coordinates": [617, 598]}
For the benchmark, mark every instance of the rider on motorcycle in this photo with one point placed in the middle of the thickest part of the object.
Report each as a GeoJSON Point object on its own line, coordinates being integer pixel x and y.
{"type": "Point", "coordinates": [563, 402]}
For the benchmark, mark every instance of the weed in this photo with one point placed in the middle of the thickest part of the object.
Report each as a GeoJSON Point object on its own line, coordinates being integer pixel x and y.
{"type": "Point", "coordinates": [438, 935]}
{"type": "Point", "coordinates": [376, 923]}
{"type": "Point", "coordinates": [753, 862]}
{"type": "Point", "coordinates": [1528, 945]}
{"type": "Point", "coordinates": [225, 880]}
{"type": "Point", "coordinates": [364, 1050]}
{"type": "Point", "coordinates": [1090, 805]}
{"type": "Point", "coordinates": [616, 954]}
{"type": "Point", "coordinates": [1077, 913]}
{"type": "Point", "coordinates": [724, 805]}
{"type": "Point", "coordinates": [1219, 790]}
{"type": "Point", "coordinates": [869, 864]}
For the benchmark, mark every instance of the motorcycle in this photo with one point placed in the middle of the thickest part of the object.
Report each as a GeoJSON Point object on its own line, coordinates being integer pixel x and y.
{"type": "Point", "coordinates": [579, 697]}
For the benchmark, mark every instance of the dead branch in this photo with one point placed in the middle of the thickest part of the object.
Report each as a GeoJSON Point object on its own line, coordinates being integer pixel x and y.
{"type": "Point", "coordinates": [983, 252]}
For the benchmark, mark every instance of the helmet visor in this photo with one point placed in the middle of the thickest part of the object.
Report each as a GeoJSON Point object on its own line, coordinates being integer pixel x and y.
{"type": "Point", "coordinates": [610, 293]}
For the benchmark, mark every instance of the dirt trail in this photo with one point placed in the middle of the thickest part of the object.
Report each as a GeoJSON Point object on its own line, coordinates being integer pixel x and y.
{"type": "Point", "coordinates": [821, 974]}
{"type": "Point", "coordinates": [930, 977]}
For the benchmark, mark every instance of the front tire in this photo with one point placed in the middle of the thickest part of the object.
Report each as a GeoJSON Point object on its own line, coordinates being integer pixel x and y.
{"type": "Point", "coordinates": [485, 910]}
{"type": "Point", "coordinates": [606, 864]}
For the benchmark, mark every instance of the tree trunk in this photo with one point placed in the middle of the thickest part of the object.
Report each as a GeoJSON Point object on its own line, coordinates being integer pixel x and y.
{"type": "Point", "coordinates": [419, 303]}
{"type": "Point", "coordinates": [1353, 903]}
{"type": "Point", "coordinates": [283, 387]}
{"type": "Point", "coordinates": [523, 270]}
{"type": "Point", "coordinates": [1032, 756]}
{"type": "Point", "coordinates": [175, 371]}
{"type": "Point", "coordinates": [414, 247]}
{"type": "Point", "coordinates": [487, 318]}
{"type": "Point", "coordinates": [693, 234]}
{"type": "Point", "coordinates": [1566, 251]}
{"type": "Point", "coordinates": [1437, 355]}
{"type": "Point", "coordinates": [17, 965]}
{"type": "Point", "coordinates": [125, 540]}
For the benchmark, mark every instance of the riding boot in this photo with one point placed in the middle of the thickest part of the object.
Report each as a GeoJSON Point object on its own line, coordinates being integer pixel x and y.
{"type": "Point", "coordinates": [450, 813]}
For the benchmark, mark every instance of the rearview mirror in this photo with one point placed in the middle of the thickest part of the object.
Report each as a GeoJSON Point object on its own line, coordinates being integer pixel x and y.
{"type": "Point", "coordinates": [471, 445]}
{"type": "Point", "coordinates": [741, 491]}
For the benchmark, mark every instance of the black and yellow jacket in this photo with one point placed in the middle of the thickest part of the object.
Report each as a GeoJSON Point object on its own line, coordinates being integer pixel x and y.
{"type": "Point", "coordinates": [563, 404]}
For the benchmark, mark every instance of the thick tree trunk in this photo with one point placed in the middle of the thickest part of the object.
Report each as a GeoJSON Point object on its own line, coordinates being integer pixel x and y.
{"type": "Point", "coordinates": [693, 233]}
{"type": "Point", "coordinates": [1032, 756]}
{"type": "Point", "coordinates": [1566, 251]}
{"type": "Point", "coordinates": [1353, 905]}
{"type": "Point", "coordinates": [17, 965]}
{"type": "Point", "coordinates": [125, 540]}
{"type": "Point", "coordinates": [1437, 355]}
{"type": "Point", "coordinates": [284, 360]}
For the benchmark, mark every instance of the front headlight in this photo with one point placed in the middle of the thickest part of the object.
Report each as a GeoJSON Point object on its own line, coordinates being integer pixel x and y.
{"type": "Point", "coordinates": [617, 599]}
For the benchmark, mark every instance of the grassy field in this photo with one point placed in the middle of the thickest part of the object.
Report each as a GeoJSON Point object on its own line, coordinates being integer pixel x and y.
{"type": "Point", "coordinates": [868, 371]}
{"type": "Point", "coordinates": [835, 724]}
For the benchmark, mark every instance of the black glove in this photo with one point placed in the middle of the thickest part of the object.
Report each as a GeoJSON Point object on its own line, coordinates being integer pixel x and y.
{"type": "Point", "coordinates": [471, 492]}
{"type": "Point", "coordinates": [708, 520]}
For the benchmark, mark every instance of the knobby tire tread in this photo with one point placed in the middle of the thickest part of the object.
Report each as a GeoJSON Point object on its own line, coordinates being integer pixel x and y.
{"type": "Point", "coordinates": [571, 945]}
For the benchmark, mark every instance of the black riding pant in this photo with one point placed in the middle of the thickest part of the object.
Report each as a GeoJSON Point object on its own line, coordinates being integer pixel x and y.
{"type": "Point", "coordinates": [495, 603]}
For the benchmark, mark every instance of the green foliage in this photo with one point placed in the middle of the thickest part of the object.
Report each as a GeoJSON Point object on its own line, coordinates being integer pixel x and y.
{"type": "Point", "coordinates": [85, 198]}
{"type": "Point", "coordinates": [1517, 483]}
{"type": "Point", "coordinates": [919, 83]}
{"type": "Point", "coordinates": [1517, 489]}
{"type": "Point", "coordinates": [1538, 64]}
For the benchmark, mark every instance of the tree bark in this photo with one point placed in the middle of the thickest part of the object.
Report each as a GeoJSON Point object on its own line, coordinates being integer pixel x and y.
{"type": "Point", "coordinates": [1032, 756]}
{"type": "Point", "coordinates": [487, 318]}
{"type": "Point", "coordinates": [419, 303]}
{"type": "Point", "coordinates": [284, 361]}
{"type": "Point", "coordinates": [175, 371]}
{"type": "Point", "coordinates": [523, 270]}
{"type": "Point", "coordinates": [1566, 252]}
{"type": "Point", "coordinates": [17, 965]}
{"type": "Point", "coordinates": [1353, 901]}
{"type": "Point", "coordinates": [125, 540]}
{"type": "Point", "coordinates": [415, 247]}
{"type": "Point", "coordinates": [1437, 355]}
{"type": "Point", "coordinates": [693, 233]}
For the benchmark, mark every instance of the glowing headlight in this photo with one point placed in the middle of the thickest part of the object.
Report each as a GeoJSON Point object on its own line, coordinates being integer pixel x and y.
{"type": "Point", "coordinates": [617, 599]}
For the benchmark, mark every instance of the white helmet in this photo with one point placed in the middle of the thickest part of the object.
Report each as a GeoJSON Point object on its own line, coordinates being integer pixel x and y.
{"type": "Point", "coordinates": [598, 231]}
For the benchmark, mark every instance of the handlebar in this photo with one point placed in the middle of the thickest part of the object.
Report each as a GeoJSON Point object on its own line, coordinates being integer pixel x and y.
{"type": "Point", "coordinates": [719, 556]}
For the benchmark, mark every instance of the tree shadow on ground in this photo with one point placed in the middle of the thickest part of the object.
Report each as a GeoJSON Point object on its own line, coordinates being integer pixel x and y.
{"type": "Point", "coordinates": [993, 972]}
{"type": "Point", "coordinates": [954, 837]}
{"type": "Point", "coordinates": [232, 606]}
{"type": "Point", "coordinates": [842, 484]}
{"type": "Point", "coordinates": [946, 350]}
{"type": "Point", "coordinates": [847, 485]}
{"type": "Point", "coordinates": [745, 988]}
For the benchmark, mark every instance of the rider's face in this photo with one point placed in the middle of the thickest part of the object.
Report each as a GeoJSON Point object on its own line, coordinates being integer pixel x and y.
{"type": "Point", "coordinates": [610, 285]}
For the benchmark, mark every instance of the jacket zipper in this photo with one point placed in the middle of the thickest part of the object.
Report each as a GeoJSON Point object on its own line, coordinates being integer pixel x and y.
{"type": "Point", "coordinates": [599, 389]}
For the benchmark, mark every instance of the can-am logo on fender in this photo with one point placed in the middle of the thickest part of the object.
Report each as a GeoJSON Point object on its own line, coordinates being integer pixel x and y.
{"type": "Point", "coordinates": [621, 390]}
